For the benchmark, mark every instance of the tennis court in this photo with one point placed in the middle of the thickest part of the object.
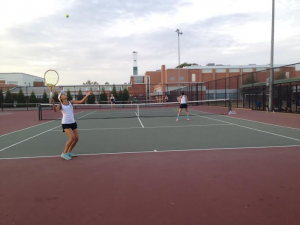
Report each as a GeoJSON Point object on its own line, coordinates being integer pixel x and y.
{"type": "Point", "coordinates": [214, 169]}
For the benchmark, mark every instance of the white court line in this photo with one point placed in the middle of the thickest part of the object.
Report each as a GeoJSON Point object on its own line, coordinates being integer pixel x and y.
{"type": "Point", "coordinates": [139, 120]}
{"type": "Point", "coordinates": [4, 114]}
{"type": "Point", "coordinates": [87, 114]}
{"type": "Point", "coordinates": [250, 120]}
{"type": "Point", "coordinates": [111, 128]}
{"type": "Point", "coordinates": [31, 127]}
{"type": "Point", "coordinates": [28, 139]}
{"type": "Point", "coordinates": [25, 129]}
{"type": "Point", "coordinates": [160, 151]}
{"type": "Point", "coordinates": [250, 128]}
{"type": "Point", "coordinates": [128, 128]}
{"type": "Point", "coordinates": [266, 123]}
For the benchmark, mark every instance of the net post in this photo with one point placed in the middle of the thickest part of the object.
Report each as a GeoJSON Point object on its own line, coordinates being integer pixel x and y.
{"type": "Point", "coordinates": [138, 110]}
{"type": "Point", "coordinates": [39, 112]}
{"type": "Point", "coordinates": [230, 105]}
{"type": "Point", "coordinates": [1, 99]}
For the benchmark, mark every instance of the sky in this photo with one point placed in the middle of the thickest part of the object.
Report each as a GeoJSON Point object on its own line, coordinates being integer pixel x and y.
{"type": "Point", "coordinates": [97, 40]}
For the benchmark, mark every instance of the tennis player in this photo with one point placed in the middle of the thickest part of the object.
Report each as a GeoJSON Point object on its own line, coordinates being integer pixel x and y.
{"type": "Point", "coordinates": [112, 101]}
{"type": "Point", "coordinates": [166, 98]}
{"type": "Point", "coordinates": [183, 105]}
{"type": "Point", "coordinates": [69, 125]}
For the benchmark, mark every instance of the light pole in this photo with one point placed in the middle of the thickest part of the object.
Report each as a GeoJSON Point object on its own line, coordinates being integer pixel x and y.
{"type": "Point", "coordinates": [271, 79]}
{"type": "Point", "coordinates": [179, 32]}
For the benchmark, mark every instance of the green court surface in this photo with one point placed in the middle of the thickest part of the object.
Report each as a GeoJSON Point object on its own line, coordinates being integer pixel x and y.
{"type": "Point", "coordinates": [137, 135]}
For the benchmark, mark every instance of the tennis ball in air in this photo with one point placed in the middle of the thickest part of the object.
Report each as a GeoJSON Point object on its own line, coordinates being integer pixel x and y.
{"type": "Point", "coordinates": [67, 16]}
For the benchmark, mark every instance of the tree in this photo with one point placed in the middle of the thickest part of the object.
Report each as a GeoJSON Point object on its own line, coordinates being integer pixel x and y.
{"type": "Point", "coordinates": [90, 82]}
{"type": "Point", "coordinates": [32, 98]}
{"type": "Point", "coordinates": [186, 64]}
{"type": "Point", "coordinates": [114, 92]}
{"type": "Point", "coordinates": [250, 80]}
{"type": "Point", "coordinates": [55, 96]}
{"type": "Point", "coordinates": [69, 95]}
{"type": "Point", "coordinates": [8, 97]}
{"type": "Point", "coordinates": [281, 76]}
{"type": "Point", "coordinates": [1, 97]}
{"type": "Point", "coordinates": [106, 82]}
{"type": "Point", "coordinates": [45, 98]}
{"type": "Point", "coordinates": [125, 94]}
{"type": "Point", "coordinates": [103, 96]}
{"type": "Point", "coordinates": [91, 99]}
{"type": "Point", "coordinates": [21, 97]}
{"type": "Point", "coordinates": [120, 96]}
{"type": "Point", "coordinates": [80, 95]}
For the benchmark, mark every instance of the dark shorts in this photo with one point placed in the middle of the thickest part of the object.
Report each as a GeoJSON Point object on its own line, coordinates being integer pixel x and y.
{"type": "Point", "coordinates": [183, 106]}
{"type": "Point", "coordinates": [72, 126]}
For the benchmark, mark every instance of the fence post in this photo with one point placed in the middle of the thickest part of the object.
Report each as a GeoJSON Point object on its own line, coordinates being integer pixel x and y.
{"type": "Point", "coordinates": [237, 91]}
{"type": "Point", "coordinates": [201, 93]}
{"type": "Point", "coordinates": [208, 93]}
{"type": "Point", "coordinates": [225, 90]}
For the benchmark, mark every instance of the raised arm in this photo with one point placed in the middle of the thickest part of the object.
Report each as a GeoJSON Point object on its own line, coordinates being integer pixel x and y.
{"type": "Point", "coordinates": [55, 108]}
{"type": "Point", "coordinates": [82, 100]}
{"type": "Point", "coordinates": [179, 99]}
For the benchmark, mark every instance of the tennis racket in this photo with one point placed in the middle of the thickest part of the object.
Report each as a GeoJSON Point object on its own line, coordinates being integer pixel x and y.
{"type": "Point", "coordinates": [51, 79]}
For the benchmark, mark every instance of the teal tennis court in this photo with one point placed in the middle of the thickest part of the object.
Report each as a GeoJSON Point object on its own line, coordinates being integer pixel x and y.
{"type": "Point", "coordinates": [242, 167]}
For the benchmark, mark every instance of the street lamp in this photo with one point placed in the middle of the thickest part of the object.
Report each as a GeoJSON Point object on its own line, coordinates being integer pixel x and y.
{"type": "Point", "coordinates": [179, 32]}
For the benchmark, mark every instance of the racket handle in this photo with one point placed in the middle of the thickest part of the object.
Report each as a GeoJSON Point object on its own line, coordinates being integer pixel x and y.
{"type": "Point", "coordinates": [51, 94]}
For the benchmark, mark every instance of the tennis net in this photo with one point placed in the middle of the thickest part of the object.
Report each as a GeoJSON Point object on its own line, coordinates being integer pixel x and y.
{"type": "Point", "coordinates": [108, 111]}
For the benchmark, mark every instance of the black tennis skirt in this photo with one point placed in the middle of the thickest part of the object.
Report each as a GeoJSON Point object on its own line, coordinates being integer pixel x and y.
{"type": "Point", "coordinates": [183, 106]}
{"type": "Point", "coordinates": [72, 126]}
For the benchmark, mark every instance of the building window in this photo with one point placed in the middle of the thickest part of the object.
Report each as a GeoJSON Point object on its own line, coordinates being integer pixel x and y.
{"type": "Point", "coordinates": [248, 70]}
{"type": "Point", "coordinates": [193, 77]}
{"type": "Point", "coordinates": [259, 69]}
{"type": "Point", "coordinates": [207, 71]}
{"type": "Point", "coordinates": [220, 70]}
{"type": "Point", "coordinates": [135, 88]}
{"type": "Point", "coordinates": [172, 78]}
{"type": "Point", "coordinates": [138, 80]}
{"type": "Point", "coordinates": [234, 70]}
{"type": "Point", "coordinates": [287, 75]}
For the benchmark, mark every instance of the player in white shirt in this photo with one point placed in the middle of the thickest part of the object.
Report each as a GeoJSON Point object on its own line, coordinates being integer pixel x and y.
{"type": "Point", "coordinates": [68, 123]}
{"type": "Point", "coordinates": [183, 105]}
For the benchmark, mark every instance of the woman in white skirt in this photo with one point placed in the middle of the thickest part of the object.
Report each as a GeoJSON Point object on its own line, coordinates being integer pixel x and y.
{"type": "Point", "coordinates": [68, 123]}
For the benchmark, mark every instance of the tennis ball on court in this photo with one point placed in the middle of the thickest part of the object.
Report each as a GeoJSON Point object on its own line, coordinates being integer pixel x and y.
{"type": "Point", "coordinates": [155, 150]}
{"type": "Point", "coordinates": [67, 15]}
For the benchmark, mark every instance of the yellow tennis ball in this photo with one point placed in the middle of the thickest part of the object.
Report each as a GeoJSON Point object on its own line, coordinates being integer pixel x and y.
{"type": "Point", "coordinates": [67, 16]}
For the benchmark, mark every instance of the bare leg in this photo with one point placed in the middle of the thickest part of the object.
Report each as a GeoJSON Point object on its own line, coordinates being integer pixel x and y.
{"type": "Point", "coordinates": [179, 112]}
{"type": "Point", "coordinates": [187, 114]}
{"type": "Point", "coordinates": [71, 136]}
{"type": "Point", "coordinates": [75, 140]}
